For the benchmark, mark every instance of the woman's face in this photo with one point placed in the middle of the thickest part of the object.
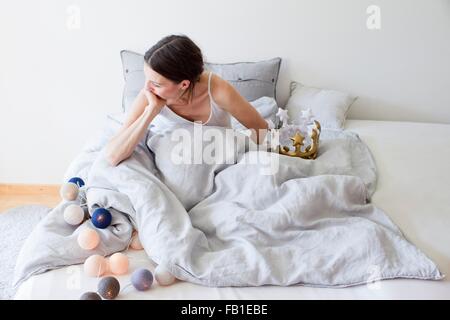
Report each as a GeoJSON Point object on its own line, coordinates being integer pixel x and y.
{"type": "Point", "coordinates": [161, 86]}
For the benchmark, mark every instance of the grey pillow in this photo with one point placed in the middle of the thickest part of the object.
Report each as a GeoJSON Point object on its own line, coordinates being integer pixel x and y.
{"type": "Point", "coordinates": [133, 73]}
{"type": "Point", "coordinates": [252, 80]}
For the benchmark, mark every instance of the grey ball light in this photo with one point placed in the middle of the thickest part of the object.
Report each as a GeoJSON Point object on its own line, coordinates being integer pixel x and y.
{"type": "Point", "coordinates": [109, 288]}
{"type": "Point", "coordinates": [90, 296]}
{"type": "Point", "coordinates": [142, 279]}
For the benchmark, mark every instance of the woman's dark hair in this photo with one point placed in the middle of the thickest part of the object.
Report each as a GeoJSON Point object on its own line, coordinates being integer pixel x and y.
{"type": "Point", "coordinates": [177, 58]}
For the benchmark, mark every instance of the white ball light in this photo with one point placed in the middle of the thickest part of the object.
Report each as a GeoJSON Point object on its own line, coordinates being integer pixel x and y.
{"type": "Point", "coordinates": [163, 276]}
{"type": "Point", "coordinates": [88, 239]}
{"type": "Point", "coordinates": [95, 266]}
{"type": "Point", "coordinates": [69, 191]}
{"type": "Point", "coordinates": [118, 263]}
{"type": "Point", "coordinates": [74, 214]}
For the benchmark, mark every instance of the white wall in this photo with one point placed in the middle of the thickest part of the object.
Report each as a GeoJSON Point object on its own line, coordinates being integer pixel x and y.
{"type": "Point", "coordinates": [57, 83]}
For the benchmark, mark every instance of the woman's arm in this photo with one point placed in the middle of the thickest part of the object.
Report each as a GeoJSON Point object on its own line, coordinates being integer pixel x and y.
{"type": "Point", "coordinates": [228, 98]}
{"type": "Point", "coordinates": [144, 109]}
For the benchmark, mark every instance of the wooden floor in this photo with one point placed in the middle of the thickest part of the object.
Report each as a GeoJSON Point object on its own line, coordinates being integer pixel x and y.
{"type": "Point", "coordinates": [14, 195]}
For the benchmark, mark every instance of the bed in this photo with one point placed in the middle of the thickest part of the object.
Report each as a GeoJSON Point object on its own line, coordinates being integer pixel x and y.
{"type": "Point", "coordinates": [413, 189]}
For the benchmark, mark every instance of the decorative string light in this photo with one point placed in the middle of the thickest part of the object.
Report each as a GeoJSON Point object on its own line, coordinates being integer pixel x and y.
{"type": "Point", "coordinates": [97, 265]}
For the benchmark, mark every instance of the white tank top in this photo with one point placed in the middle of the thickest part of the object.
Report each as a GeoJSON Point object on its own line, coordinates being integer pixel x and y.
{"type": "Point", "coordinates": [217, 117]}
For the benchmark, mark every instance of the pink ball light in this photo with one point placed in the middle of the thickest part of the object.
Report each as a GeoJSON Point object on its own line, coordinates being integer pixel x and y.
{"type": "Point", "coordinates": [88, 239]}
{"type": "Point", "coordinates": [136, 243]}
{"type": "Point", "coordinates": [95, 266]}
{"type": "Point", "coordinates": [118, 263]}
{"type": "Point", "coordinates": [69, 191]}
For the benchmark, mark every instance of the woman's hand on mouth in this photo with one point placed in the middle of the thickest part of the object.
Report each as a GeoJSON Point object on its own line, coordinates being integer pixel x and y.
{"type": "Point", "coordinates": [154, 101]}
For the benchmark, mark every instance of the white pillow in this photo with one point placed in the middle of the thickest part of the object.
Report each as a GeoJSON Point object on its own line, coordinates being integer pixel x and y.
{"type": "Point", "coordinates": [329, 107]}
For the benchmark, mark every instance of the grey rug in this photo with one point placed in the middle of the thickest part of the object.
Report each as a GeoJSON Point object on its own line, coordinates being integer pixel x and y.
{"type": "Point", "coordinates": [15, 226]}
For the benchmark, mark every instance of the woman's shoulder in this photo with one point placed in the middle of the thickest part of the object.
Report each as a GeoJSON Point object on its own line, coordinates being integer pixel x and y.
{"type": "Point", "coordinates": [221, 89]}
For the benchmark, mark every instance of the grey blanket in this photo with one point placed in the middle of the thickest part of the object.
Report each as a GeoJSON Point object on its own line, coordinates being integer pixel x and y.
{"type": "Point", "coordinates": [231, 224]}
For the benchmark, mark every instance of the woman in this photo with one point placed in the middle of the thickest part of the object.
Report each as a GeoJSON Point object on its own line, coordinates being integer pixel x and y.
{"type": "Point", "coordinates": [177, 86]}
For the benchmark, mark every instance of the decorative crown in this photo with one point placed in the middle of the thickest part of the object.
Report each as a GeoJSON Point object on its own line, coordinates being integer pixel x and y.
{"type": "Point", "coordinates": [310, 151]}
{"type": "Point", "coordinates": [306, 118]}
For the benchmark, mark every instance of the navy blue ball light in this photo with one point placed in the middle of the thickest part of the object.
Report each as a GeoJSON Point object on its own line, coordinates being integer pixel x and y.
{"type": "Point", "coordinates": [78, 181]}
{"type": "Point", "coordinates": [101, 218]}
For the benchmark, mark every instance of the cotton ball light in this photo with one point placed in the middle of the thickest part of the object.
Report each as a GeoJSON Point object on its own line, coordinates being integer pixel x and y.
{"type": "Point", "coordinates": [163, 276]}
{"type": "Point", "coordinates": [88, 239]}
{"type": "Point", "coordinates": [78, 181]}
{"type": "Point", "coordinates": [69, 191]}
{"type": "Point", "coordinates": [136, 242]}
{"type": "Point", "coordinates": [108, 287]}
{"type": "Point", "coordinates": [74, 214]}
{"type": "Point", "coordinates": [142, 279]}
{"type": "Point", "coordinates": [101, 218]}
{"type": "Point", "coordinates": [95, 266]}
{"type": "Point", "coordinates": [90, 296]}
{"type": "Point", "coordinates": [118, 263]}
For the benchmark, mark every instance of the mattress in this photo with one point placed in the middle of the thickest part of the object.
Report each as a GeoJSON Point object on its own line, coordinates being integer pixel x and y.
{"type": "Point", "coordinates": [413, 190]}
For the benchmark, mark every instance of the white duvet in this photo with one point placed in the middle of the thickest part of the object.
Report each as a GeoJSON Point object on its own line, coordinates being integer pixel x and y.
{"type": "Point", "coordinates": [232, 224]}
